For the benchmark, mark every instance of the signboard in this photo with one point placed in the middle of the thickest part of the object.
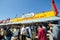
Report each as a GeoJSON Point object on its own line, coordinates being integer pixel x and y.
{"type": "Point", "coordinates": [45, 14]}
{"type": "Point", "coordinates": [38, 15]}
{"type": "Point", "coordinates": [27, 15]}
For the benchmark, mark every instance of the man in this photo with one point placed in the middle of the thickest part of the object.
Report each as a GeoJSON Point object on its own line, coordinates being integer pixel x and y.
{"type": "Point", "coordinates": [28, 33]}
{"type": "Point", "coordinates": [54, 30]}
{"type": "Point", "coordinates": [41, 33]}
{"type": "Point", "coordinates": [23, 33]}
{"type": "Point", "coordinates": [15, 33]}
{"type": "Point", "coordinates": [8, 33]}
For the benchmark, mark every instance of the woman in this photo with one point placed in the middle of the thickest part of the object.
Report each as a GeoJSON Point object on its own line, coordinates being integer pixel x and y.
{"type": "Point", "coordinates": [41, 33]}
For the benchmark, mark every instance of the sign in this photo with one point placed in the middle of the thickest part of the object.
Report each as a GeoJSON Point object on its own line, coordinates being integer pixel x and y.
{"type": "Point", "coordinates": [38, 15]}
{"type": "Point", "coordinates": [27, 15]}
{"type": "Point", "coordinates": [45, 14]}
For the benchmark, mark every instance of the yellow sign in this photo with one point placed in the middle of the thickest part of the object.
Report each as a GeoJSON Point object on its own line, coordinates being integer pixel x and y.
{"type": "Point", "coordinates": [38, 15]}
{"type": "Point", "coordinates": [45, 14]}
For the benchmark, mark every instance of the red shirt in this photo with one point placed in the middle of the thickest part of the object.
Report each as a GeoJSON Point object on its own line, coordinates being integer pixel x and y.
{"type": "Point", "coordinates": [41, 34]}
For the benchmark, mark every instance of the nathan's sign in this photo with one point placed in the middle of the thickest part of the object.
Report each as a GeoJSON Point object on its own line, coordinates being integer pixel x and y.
{"type": "Point", "coordinates": [39, 15]}
{"type": "Point", "coordinates": [28, 15]}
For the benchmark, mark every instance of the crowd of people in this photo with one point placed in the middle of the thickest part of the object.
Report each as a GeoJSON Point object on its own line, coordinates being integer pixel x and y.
{"type": "Point", "coordinates": [28, 32]}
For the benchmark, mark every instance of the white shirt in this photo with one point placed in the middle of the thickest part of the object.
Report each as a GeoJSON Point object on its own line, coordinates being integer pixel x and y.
{"type": "Point", "coordinates": [16, 31]}
{"type": "Point", "coordinates": [22, 30]}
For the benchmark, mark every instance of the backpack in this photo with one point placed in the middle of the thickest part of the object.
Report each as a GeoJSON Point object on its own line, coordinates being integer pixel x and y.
{"type": "Point", "coordinates": [27, 31]}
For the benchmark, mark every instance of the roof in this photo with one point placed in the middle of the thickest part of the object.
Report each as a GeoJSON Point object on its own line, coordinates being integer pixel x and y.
{"type": "Point", "coordinates": [40, 20]}
{"type": "Point", "coordinates": [35, 20]}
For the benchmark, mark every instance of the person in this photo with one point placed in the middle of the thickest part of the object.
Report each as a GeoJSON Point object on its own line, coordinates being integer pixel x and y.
{"type": "Point", "coordinates": [15, 33]}
{"type": "Point", "coordinates": [41, 33]}
{"type": "Point", "coordinates": [19, 27]}
{"type": "Point", "coordinates": [44, 28]}
{"type": "Point", "coordinates": [33, 31]}
{"type": "Point", "coordinates": [2, 34]}
{"type": "Point", "coordinates": [54, 30]}
{"type": "Point", "coordinates": [35, 26]}
{"type": "Point", "coordinates": [58, 32]}
{"type": "Point", "coordinates": [23, 33]}
{"type": "Point", "coordinates": [8, 33]}
{"type": "Point", "coordinates": [28, 33]}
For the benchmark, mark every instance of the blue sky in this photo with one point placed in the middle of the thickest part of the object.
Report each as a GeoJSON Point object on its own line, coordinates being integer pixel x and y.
{"type": "Point", "coordinates": [11, 8]}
